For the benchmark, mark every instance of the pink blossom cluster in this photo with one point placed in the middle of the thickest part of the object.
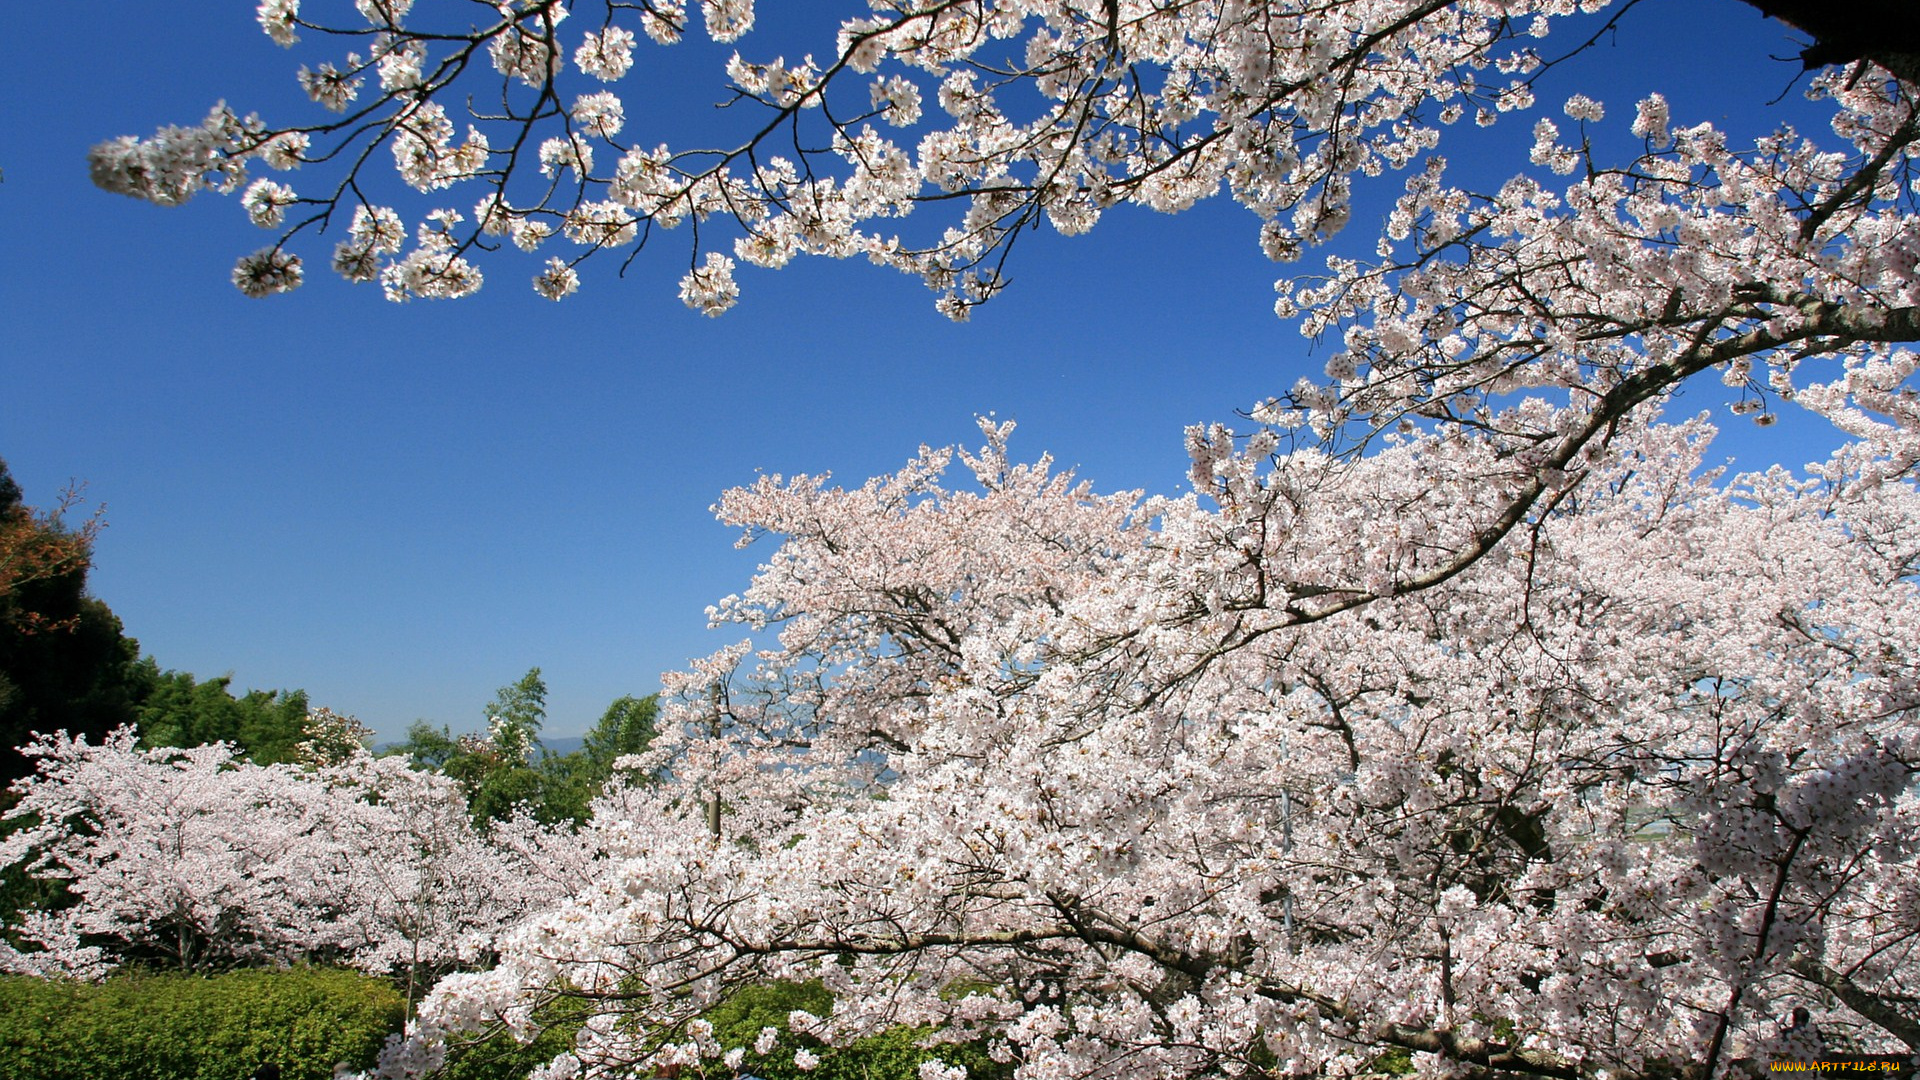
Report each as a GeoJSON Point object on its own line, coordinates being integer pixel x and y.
{"type": "Point", "coordinates": [206, 860]}
{"type": "Point", "coordinates": [1045, 110]}
{"type": "Point", "coordinates": [1783, 265]}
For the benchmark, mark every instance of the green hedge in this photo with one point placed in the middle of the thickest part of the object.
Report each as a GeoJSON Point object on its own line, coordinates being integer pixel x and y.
{"type": "Point", "coordinates": [225, 1027]}
{"type": "Point", "coordinates": [187, 1027]}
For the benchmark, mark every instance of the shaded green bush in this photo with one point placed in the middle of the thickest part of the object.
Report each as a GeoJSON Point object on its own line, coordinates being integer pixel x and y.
{"type": "Point", "coordinates": [500, 1058]}
{"type": "Point", "coordinates": [895, 1054]}
{"type": "Point", "coordinates": [186, 1027]}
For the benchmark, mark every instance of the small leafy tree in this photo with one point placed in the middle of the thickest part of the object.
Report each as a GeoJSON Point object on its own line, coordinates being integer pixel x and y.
{"type": "Point", "coordinates": [627, 727]}
{"type": "Point", "coordinates": [427, 746]}
{"type": "Point", "coordinates": [509, 769]}
{"type": "Point", "coordinates": [515, 715]}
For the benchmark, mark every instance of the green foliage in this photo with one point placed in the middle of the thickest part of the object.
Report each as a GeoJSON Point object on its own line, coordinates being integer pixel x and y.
{"type": "Point", "coordinates": [65, 661]}
{"type": "Point", "coordinates": [628, 725]}
{"type": "Point", "coordinates": [738, 1020]}
{"type": "Point", "coordinates": [894, 1054]}
{"type": "Point", "coordinates": [265, 725]}
{"type": "Point", "coordinates": [890, 1055]}
{"type": "Point", "coordinates": [515, 714]}
{"type": "Point", "coordinates": [495, 783]}
{"type": "Point", "coordinates": [223, 1027]}
{"type": "Point", "coordinates": [1394, 1062]}
{"type": "Point", "coordinates": [499, 774]}
{"type": "Point", "coordinates": [569, 782]}
{"type": "Point", "coordinates": [430, 747]}
{"type": "Point", "coordinates": [507, 784]}
{"type": "Point", "coordinates": [182, 1027]}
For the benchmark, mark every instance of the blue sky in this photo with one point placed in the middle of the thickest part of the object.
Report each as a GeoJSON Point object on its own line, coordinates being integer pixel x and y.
{"type": "Point", "coordinates": [400, 508]}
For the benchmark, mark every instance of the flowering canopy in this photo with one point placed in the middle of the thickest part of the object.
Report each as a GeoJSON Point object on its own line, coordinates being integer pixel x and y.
{"type": "Point", "coordinates": [994, 115]}
{"type": "Point", "coordinates": [1516, 740]}
{"type": "Point", "coordinates": [1611, 801]}
{"type": "Point", "coordinates": [208, 861]}
{"type": "Point", "coordinates": [1609, 281]}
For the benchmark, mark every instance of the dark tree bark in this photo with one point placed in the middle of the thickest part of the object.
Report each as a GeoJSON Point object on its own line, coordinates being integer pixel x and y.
{"type": "Point", "coordinates": [1885, 32]}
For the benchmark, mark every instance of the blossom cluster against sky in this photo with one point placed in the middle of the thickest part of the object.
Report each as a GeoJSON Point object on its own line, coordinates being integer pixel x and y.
{"type": "Point", "coordinates": [401, 507]}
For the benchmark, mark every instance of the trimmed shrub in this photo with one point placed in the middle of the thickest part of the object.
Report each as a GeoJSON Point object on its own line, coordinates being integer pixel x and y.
{"type": "Point", "coordinates": [190, 1027]}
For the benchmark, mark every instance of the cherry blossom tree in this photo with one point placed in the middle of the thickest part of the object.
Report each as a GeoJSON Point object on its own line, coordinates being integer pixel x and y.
{"type": "Point", "coordinates": [171, 852]}
{"type": "Point", "coordinates": [419, 890]}
{"type": "Point", "coordinates": [1461, 716]}
{"type": "Point", "coordinates": [1784, 266]}
{"type": "Point", "coordinates": [206, 861]}
{"type": "Point", "coordinates": [1097, 779]}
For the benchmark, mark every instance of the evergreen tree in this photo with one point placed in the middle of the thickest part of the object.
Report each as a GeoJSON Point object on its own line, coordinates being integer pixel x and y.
{"type": "Point", "coordinates": [65, 661]}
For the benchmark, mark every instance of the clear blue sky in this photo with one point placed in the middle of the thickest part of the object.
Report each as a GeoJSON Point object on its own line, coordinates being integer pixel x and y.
{"type": "Point", "coordinates": [400, 508]}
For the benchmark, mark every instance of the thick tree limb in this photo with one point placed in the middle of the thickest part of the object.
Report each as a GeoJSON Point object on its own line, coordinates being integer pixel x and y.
{"type": "Point", "coordinates": [1861, 1000]}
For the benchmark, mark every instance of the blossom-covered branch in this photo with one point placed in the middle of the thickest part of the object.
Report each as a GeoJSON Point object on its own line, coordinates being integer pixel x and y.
{"type": "Point", "coordinates": [1613, 799]}
{"type": "Point", "coordinates": [1047, 111]}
